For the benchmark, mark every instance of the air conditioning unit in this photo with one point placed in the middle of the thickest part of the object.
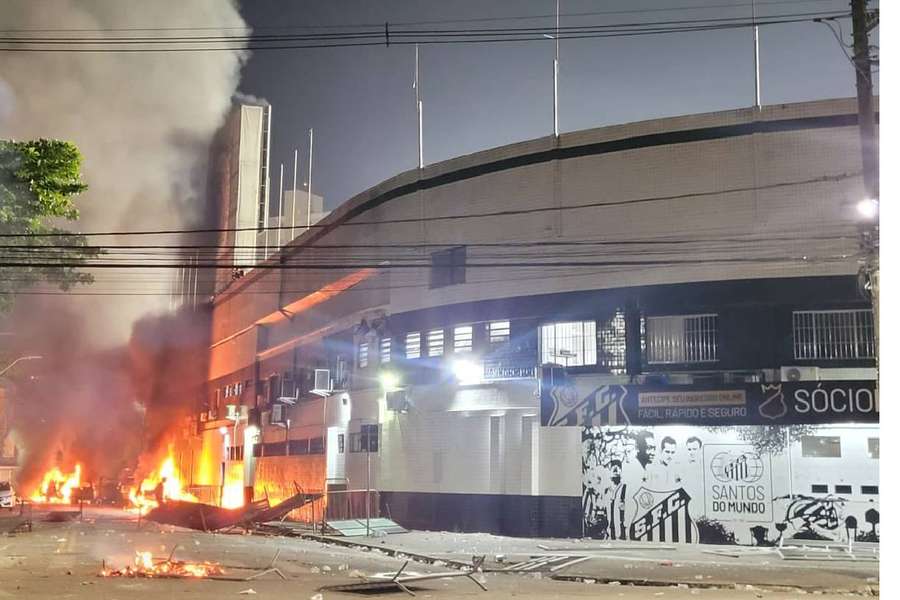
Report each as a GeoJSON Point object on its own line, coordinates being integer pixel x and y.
{"type": "Point", "coordinates": [277, 416]}
{"type": "Point", "coordinates": [397, 401]}
{"type": "Point", "coordinates": [237, 411]}
{"type": "Point", "coordinates": [799, 373]}
{"type": "Point", "coordinates": [322, 382]}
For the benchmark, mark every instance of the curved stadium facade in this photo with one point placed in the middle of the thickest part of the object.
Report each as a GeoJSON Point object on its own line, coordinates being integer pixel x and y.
{"type": "Point", "coordinates": [583, 336]}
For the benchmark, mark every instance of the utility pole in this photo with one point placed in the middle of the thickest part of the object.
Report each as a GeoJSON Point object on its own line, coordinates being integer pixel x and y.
{"type": "Point", "coordinates": [863, 22]}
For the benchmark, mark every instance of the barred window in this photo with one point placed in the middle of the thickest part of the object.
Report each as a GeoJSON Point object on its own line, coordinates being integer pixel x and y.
{"type": "Point", "coordinates": [498, 332]}
{"type": "Point", "coordinates": [834, 334]}
{"type": "Point", "coordinates": [366, 440]}
{"type": "Point", "coordinates": [682, 339]}
{"type": "Point", "coordinates": [436, 342]}
{"type": "Point", "coordinates": [569, 344]}
{"type": "Point", "coordinates": [363, 355]}
{"type": "Point", "coordinates": [611, 343]}
{"type": "Point", "coordinates": [413, 345]}
{"type": "Point", "coordinates": [385, 350]}
{"type": "Point", "coordinates": [462, 338]}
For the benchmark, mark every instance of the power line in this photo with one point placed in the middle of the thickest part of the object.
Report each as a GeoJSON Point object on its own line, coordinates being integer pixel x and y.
{"type": "Point", "coordinates": [694, 7]}
{"type": "Point", "coordinates": [499, 213]}
{"type": "Point", "coordinates": [379, 33]}
{"type": "Point", "coordinates": [349, 39]}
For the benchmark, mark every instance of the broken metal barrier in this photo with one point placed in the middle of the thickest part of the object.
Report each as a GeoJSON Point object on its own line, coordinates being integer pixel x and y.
{"type": "Point", "coordinates": [399, 582]}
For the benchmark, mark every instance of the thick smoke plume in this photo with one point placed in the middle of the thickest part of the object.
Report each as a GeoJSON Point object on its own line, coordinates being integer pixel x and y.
{"type": "Point", "coordinates": [90, 406]}
{"type": "Point", "coordinates": [144, 122]}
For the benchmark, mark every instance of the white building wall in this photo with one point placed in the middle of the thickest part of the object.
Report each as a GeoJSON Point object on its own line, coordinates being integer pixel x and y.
{"type": "Point", "coordinates": [248, 193]}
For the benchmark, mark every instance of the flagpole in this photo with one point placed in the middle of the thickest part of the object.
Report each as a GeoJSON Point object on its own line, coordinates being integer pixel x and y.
{"type": "Point", "coordinates": [309, 184]}
{"type": "Point", "coordinates": [280, 202]}
{"type": "Point", "coordinates": [756, 96]}
{"type": "Point", "coordinates": [294, 198]}
{"type": "Point", "coordinates": [419, 110]}
{"type": "Point", "coordinates": [556, 78]}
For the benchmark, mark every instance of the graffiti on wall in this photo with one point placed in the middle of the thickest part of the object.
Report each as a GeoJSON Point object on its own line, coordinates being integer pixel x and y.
{"type": "Point", "coordinates": [584, 401]}
{"type": "Point", "coordinates": [636, 488]}
{"type": "Point", "coordinates": [683, 485]}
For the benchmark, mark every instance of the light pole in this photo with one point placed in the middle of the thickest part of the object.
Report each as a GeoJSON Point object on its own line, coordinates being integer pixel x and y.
{"type": "Point", "coordinates": [18, 360]}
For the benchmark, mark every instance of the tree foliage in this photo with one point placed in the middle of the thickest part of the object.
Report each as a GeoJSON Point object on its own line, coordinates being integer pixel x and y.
{"type": "Point", "coordinates": [39, 180]}
{"type": "Point", "coordinates": [768, 439]}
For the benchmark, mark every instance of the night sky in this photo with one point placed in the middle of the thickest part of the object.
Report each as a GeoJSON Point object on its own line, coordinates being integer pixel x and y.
{"type": "Point", "coordinates": [361, 103]}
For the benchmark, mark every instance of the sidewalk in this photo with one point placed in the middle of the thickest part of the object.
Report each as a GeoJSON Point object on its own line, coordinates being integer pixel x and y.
{"type": "Point", "coordinates": [634, 563]}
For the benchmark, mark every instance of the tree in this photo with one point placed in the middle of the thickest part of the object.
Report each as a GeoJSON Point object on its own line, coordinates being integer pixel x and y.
{"type": "Point", "coordinates": [767, 439]}
{"type": "Point", "coordinates": [38, 182]}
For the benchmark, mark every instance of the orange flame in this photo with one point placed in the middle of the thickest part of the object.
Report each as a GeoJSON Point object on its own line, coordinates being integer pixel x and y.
{"type": "Point", "coordinates": [146, 566]}
{"type": "Point", "coordinates": [145, 496]}
{"type": "Point", "coordinates": [56, 487]}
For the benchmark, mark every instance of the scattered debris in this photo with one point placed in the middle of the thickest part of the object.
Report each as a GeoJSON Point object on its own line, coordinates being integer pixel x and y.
{"type": "Point", "coordinates": [400, 583]}
{"type": "Point", "coordinates": [206, 517]}
{"type": "Point", "coordinates": [270, 568]}
{"type": "Point", "coordinates": [360, 527]}
{"type": "Point", "coordinates": [540, 563]}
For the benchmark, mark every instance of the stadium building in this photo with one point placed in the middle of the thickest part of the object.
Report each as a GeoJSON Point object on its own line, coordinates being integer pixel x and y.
{"type": "Point", "coordinates": [650, 331]}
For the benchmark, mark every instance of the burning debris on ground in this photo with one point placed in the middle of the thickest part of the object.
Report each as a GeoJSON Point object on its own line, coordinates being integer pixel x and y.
{"type": "Point", "coordinates": [145, 565]}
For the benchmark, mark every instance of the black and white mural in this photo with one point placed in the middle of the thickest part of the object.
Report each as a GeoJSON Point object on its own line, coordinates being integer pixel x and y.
{"type": "Point", "coordinates": [686, 484]}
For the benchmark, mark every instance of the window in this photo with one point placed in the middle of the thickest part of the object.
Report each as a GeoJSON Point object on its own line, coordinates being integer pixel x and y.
{"type": "Point", "coordinates": [611, 343]}
{"type": "Point", "coordinates": [235, 453]}
{"type": "Point", "coordinates": [413, 345]}
{"type": "Point", "coordinates": [462, 338]}
{"type": "Point", "coordinates": [340, 443]}
{"type": "Point", "coordinates": [819, 488]}
{"type": "Point", "coordinates": [363, 355]}
{"type": "Point", "coordinates": [682, 339]}
{"type": "Point", "coordinates": [298, 447]}
{"type": "Point", "coordinates": [569, 344]}
{"type": "Point", "coordinates": [317, 445]}
{"type": "Point", "coordinates": [366, 440]}
{"type": "Point", "coordinates": [385, 350]}
{"type": "Point", "coordinates": [498, 332]}
{"type": "Point", "coordinates": [820, 446]}
{"type": "Point", "coordinates": [843, 489]}
{"type": "Point", "coordinates": [834, 334]}
{"type": "Point", "coordinates": [369, 435]}
{"type": "Point", "coordinates": [436, 342]}
{"type": "Point", "coordinates": [448, 267]}
{"type": "Point", "coordinates": [868, 490]}
{"type": "Point", "coordinates": [873, 447]}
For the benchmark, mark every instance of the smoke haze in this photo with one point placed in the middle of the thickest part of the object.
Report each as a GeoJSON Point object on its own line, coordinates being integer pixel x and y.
{"type": "Point", "coordinates": [143, 122]}
{"type": "Point", "coordinates": [114, 364]}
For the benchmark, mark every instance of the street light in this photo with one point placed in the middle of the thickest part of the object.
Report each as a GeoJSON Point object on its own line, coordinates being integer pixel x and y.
{"type": "Point", "coordinates": [868, 208]}
{"type": "Point", "coordinates": [21, 358]}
